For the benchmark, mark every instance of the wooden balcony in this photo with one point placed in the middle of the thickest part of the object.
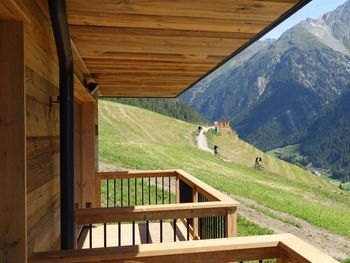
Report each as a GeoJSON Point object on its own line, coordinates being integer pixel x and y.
{"type": "Point", "coordinates": [142, 216]}
{"type": "Point", "coordinates": [154, 206]}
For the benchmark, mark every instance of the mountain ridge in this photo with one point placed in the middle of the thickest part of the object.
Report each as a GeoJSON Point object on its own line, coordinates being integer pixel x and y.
{"type": "Point", "coordinates": [273, 97]}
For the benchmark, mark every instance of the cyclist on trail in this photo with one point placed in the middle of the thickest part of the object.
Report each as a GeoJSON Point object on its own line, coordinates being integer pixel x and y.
{"type": "Point", "coordinates": [258, 163]}
{"type": "Point", "coordinates": [216, 150]}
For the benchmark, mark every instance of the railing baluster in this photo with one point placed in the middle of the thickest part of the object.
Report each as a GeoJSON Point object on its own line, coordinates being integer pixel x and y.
{"type": "Point", "coordinates": [142, 191]}
{"type": "Point", "coordinates": [114, 193]}
{"type": "Point", "coordinates": [133, 232]}
{"type": "Point", "coordinates": [147, 232]}
{"type": "Point", "coordinates": [174, 230]}
{"type": "Point", "coordinates": [156, 190]}
{"type": "Point", "coordinates": [121, 192]}
{"type": "Point", "coordinates": [209, 226]}
{"type": "Point", "coordinates": [90, 235]}
{"type": "Point", "coordinates": [162, 190]}
{"type": "Point", "coordinates": [161, 231]}
{"type": "Point", "coordinates": [107, 193]}
{"type": "Point", "coordinates": [128, 191]}
{"type": "Point", "coordinates": [224, 226]}
{"type": "Point", "coordinates": [169, 190]}
{"type": "Point", "coordinates": [221, 227]}
{"type": "Point", "coordinates": [135, 191]}
{"type": "Point", "coordinates": [188, 229]}
{"type": "Point", "coordinates": [149, 190]}
{"type": "Point", "coordinates": [119, 234]}
{"type": "Point", "coordinates": [105, 234]}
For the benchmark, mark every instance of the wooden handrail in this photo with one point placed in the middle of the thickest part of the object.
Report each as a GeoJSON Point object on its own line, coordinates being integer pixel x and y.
{"type": "Point", "coordinates": [135, 174]}
{"type": "Point", "coordinates": [283, 247]}
{"type": "Point", "coordinates": [206, 190]}
{"type": "Point", "coordinates": [153, 212]}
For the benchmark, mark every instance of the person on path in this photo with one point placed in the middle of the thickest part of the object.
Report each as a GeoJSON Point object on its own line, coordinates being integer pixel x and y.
{"type": "Point", "coordinates": [216, 150]}
{"type": "Point", "coordinates": [199, 130]}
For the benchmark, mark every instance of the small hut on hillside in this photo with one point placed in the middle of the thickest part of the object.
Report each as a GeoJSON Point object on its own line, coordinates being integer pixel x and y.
{"type": "Point", "coordinates": [223, 125]}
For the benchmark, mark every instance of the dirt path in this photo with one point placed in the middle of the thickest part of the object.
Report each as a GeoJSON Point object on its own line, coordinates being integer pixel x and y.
{"type": "Point", "coordinates": [202, 142]}
{"type": "Point", "coordinates": [334, 245]}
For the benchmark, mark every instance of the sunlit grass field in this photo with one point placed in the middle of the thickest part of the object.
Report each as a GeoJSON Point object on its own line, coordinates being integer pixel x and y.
{"type": "Point", "coordinates": [134, 138]}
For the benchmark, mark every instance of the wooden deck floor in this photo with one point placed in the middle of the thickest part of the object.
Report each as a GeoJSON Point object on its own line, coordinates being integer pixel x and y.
{"type": "Point", "coordinates": [126, 234]}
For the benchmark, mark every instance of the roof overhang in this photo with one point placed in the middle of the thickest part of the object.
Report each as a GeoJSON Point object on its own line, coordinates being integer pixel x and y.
{"type": "Point", "coordinates": [160, 48]}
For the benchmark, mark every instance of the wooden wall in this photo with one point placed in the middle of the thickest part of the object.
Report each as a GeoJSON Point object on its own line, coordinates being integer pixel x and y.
{"type": "Point", "coordinates": [13, 225]}
{"type": "Point", "coordinates": [42, 125]}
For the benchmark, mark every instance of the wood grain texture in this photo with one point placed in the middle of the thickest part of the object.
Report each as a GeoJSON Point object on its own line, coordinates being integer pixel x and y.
{"type": "Point", "coordinates": [78, 176]}
{"type": "Point", "coordinates": [121, 41]}
{"type": "Point", "coordinates": [88, 153]}
{"type": "Point", "coordinates": [13, 193]}
{"type": "Point", "coordinates": [210, 251]}
{"type": "Point", "coordinates": [152, 212]}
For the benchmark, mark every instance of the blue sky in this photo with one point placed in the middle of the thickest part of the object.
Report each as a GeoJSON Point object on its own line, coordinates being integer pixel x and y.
{"type": "Point", "coordinates": [313, 10]}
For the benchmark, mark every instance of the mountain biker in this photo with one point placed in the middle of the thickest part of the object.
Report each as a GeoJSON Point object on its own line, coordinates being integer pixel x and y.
{"type": "Point", "coordinates": [216, 150]}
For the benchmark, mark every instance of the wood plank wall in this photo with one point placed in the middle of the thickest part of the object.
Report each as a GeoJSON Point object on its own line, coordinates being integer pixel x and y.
{"type": "Point", "coordinates": [12, 147]}
{"type": "Point", "coordinates": [42, 126]}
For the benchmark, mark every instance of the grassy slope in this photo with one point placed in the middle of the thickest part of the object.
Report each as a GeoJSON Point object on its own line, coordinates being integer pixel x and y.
{"type": "Point", "coordinates": [137, 138]}
{"type": "Point", "coordinates": [232, 148]}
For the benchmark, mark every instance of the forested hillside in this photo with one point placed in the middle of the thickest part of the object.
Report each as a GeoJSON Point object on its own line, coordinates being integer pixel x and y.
{"type": "Point", "coordinates": [327, 142]}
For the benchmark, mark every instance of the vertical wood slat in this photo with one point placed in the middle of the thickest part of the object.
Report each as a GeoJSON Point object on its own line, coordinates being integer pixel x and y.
{"type": "Point", "coordinates": [195, 220]}
{"type": "Point", "coordinates": [13, 192]}
{"type": "Point", "coordinates": [88, 152]}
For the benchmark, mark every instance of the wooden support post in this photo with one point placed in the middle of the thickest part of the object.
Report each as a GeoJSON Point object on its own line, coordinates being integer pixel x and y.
{"type": "Point", "coordinates": [284, 258]}
{"type": "Point", "coordinates": [88, 152]}
{"type": "Point", "coordinates": [231, 222]}
{"type": "Point", "coordinates": [195, 220]}
{"type": "Point", "coordinates": [13, 221]}
{"type": "Point", "coordinates": [177, 189]}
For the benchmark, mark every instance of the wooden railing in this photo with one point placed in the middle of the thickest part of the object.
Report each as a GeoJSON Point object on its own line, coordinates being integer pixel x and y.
{"type": "Point", "coordinates": [285, 248]}
{"type": "Point", "coordinates": [189, 201]}
{"type": "Point", "coordinates": [165, 196]}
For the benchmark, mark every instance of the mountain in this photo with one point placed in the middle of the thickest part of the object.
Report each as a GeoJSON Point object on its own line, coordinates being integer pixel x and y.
{"type": "Point", "coordinates": [273, 97]}
{"type": "Point", "coordinates": [327, 142]}
{"type": "Point", "coordinates": [175, 108]}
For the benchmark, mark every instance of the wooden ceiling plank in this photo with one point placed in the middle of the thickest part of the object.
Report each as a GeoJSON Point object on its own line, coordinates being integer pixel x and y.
{"type": "Point", "coordinates": [111, 40]}
{"type": "Point", "coordinates": [91, 56]}
{"type": "Point", "coordinates": [226, 9]}
{"type": "Point", "coordinates": [242, 31]}
{"type": "Point", "coordinates": [200, 25]}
